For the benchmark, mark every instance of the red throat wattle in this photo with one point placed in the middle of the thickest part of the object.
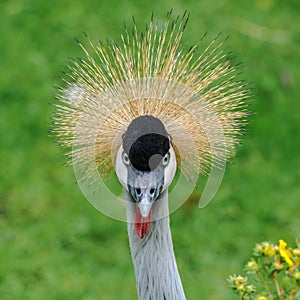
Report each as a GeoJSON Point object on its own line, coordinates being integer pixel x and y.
{"type": "Point", "coordinates": [142, 224]}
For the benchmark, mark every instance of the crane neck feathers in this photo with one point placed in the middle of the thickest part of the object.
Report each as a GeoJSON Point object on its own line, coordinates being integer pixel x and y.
{"type": "Point", "coordinates": [157, 275]}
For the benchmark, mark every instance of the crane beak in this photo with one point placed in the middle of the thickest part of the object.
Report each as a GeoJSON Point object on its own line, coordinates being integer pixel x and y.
{"type": "Point", "coordinates": [144, 198]}
{"type": "Point", "coordinates": [145, 189]}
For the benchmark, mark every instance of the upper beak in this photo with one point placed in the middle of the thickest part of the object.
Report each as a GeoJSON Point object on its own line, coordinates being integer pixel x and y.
{"type": "Point", "coordinates": [144, 189]}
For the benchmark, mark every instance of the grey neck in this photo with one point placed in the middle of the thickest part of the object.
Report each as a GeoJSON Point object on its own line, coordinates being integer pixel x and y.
{"type": "Point", "coordinates": [153, 257]}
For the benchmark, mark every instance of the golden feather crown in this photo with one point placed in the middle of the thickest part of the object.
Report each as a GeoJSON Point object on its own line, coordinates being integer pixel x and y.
{"type": "Point", "coordinates": [196, 93]}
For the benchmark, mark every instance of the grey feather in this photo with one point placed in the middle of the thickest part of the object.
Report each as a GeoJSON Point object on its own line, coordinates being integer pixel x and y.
{"type": "Point", "coordinates": [153, 257]}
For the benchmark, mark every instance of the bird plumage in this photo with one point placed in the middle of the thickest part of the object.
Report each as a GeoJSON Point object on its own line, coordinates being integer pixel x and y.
{"type": "Point", "coordinates": [153, 74]}
{"type": "Point", "coordinates": [153, 257]}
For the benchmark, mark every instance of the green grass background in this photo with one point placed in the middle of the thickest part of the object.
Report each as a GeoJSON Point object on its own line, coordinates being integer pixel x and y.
{"type": "Point", "coordinates": [53, 243]}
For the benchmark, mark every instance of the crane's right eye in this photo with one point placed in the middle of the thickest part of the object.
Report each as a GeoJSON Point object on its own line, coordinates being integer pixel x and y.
{"type": "Point", "coordinates": [125, 158]}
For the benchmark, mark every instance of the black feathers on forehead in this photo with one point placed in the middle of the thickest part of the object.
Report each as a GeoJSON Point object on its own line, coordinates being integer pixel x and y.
{"type": "Point", "coordinates": [146, 142]}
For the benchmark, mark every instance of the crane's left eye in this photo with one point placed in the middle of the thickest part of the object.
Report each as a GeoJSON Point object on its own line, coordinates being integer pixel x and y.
{"type": "Point", "coordinates": [166, 159]}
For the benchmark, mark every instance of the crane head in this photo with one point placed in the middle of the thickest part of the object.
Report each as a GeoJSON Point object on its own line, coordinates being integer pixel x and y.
{"type": "Point", "coordinates": [150, 87]}
{"type": "Point", "coordinates": [145, 166]}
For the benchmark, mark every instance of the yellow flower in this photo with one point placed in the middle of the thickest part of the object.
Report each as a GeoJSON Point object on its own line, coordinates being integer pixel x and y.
{"type": "Point", "coordinates": [297, 275]}
{"type": "Point", "coordinates": [296, 251]}
{"type": "Point", "coordinates": [240, 280]}
{"type": "Point", "coordinates": [252, 265]}
{"type": "Point", "coordinates": [262, 298]}
{"type": "Point", "coordinates": [258, 250]}
{"type": "Point", "coordinates": [285, 253]}
{"type": "Point", "coordinates": [240, 288]}
{"type": "Point", "coordinates": [269, 250]}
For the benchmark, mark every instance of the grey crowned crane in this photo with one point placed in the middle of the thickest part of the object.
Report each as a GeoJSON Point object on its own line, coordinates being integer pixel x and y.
{"type": "Point", "coordinates": [146, 109]}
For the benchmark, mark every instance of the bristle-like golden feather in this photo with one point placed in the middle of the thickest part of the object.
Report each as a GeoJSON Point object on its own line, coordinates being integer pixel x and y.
{"type": "Point", "coordinates": [197, 96]}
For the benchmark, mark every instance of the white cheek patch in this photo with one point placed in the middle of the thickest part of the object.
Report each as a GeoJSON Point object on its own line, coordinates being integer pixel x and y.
{"type": "Point", "coordinates": [170, 169]}
{"type": "Point", "coordinates": [121, 168]}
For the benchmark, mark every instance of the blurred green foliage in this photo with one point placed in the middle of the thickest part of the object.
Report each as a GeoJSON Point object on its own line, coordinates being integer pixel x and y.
{"type": "Point", "coordinates": [53, 243]}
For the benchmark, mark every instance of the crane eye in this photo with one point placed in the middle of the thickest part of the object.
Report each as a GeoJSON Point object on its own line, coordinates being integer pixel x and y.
{"type": "Point", "coordinates": [166, 159]}
{"type": "Point", "coordinates": [125, 158]}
